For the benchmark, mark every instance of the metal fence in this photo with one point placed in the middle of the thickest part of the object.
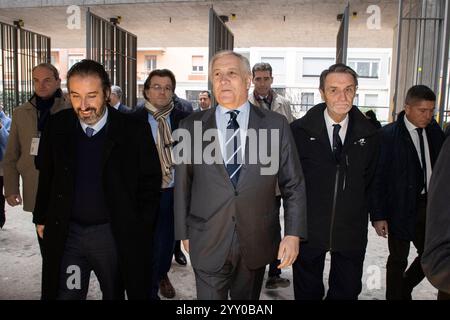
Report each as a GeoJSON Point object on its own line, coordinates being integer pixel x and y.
{"type": "Point", "coordinates": [20, 51]}
{"type": "Point", "coordinates": [116, 49]}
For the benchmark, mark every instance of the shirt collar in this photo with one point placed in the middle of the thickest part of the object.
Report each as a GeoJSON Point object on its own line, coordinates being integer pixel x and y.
{"type": "Point", "coordinates": [99, 125]}
{"type": "Point", "coordinates": [242, 109]}
{"type": "Point", "coordinates": [116, 106]}
{"type": "Point", "coordinates": [329, 122]}
{"type": "Point", "coordinates": [411, 127]}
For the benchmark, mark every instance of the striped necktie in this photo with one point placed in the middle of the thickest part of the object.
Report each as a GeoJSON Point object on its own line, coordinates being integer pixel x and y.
{"type": "Point", "coordinates": [233, 148]}
{"type": "Point", "coordinates": [89, 131]}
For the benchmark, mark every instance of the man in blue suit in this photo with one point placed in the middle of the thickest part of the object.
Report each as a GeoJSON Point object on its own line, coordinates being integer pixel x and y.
{"type": "Point", "coordinates": [5, 124]}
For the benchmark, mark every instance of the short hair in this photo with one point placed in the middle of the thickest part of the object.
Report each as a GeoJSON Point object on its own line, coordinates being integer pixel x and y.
{"type": "Point", "coordinates": [245, 65]}
{"type": "Point", "coordinates": [262, 66]}
{"type": "Point", "coordinates": [117, 91]}
{"type": "Point", "coordinates": [419, 93]}
{"type": "Point", "coordinates": [159, 73]}
{"type": "Point", "coordinates": [337, 68]}
{"type": "Point", "coordinates": [86, 68]}
{"type": "Point", "coordinates": [49, 67]}
{"type": "Point", "coordinates": [207, 92]}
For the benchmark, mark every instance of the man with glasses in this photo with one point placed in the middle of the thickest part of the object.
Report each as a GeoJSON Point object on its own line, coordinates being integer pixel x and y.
{"type": "Point", "coordinates": [163, 116]}
{"type": "Point", "coordinates": [338, 150]}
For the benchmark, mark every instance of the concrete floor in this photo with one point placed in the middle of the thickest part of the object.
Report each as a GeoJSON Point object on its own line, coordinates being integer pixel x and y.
{"type": "Point", "coordinates": [20, 268]}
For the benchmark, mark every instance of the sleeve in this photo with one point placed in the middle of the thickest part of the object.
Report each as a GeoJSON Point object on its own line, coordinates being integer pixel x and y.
{"type": "Point", "coordinates": [436, 256]}
{"type": "Point", "coordinates": [292, 185]}
{"type": "Point", "coordinates": [12, 155]}
{"type": "Point", "coordinates": [183, 185]}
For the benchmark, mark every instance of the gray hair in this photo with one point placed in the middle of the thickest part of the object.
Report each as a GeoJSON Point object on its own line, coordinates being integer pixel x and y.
{"type": "Point", "coordinates": [245, 65]}
{"type": "Point", "coordinates": [117, 91]}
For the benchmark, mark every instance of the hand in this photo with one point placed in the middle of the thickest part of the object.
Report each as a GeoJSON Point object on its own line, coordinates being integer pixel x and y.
{"type": "Point", "coordinates": [40, 230]}
{"type": "Point", "coordinates": [14, 200]}
{"type": "Point", "coordinates": [288, 251]}
{"type": "Point", "coordinates": [381, 227]}
{"type": "Point", "coordinates": [186, 245]}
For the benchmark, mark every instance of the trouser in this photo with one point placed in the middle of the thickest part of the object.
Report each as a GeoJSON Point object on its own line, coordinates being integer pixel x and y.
{"type": "Point", "coordinates": [90, 248]}
{"type": "Point", "coordinates": [344, 281]}
{"type": "Point", "coordinates": [164, 240]}
{"type": "Point", "coordinates": [399, 281]}
{"type": "Point", "coordinates": [234, 279]}
{"type": "Point", "coordinates": [273, 270]}
{"type": "Point", "coordinates": [2, 204]}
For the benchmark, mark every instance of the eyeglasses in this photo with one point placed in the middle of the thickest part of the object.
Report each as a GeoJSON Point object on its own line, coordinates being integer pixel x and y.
{"type": "Point", "coordinates": [158, 88]}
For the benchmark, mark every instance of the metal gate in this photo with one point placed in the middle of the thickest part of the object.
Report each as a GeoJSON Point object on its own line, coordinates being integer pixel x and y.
{"type": "Point", "coordinates": [20, 51]}
{"type": "Point", "coordinates": [116, 49]}
{"type": "Point", "coordinates": [422, 50]}
{"type": "Point", "coordinates": [220, 38]}
{"type": "Point", "coordinates": [342, 38]}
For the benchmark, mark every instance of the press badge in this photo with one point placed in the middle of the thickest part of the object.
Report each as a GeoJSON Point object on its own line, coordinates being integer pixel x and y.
{"type": "Point", "coordinates": [34, 146]}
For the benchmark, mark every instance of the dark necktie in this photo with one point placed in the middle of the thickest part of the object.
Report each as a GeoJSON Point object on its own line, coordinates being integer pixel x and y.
{"type": "Point", "coordinates": [89, 131]}
{"type": "Point", "coordinates": [337, 142]}
{"type": "Point", "coordinates": [422, 157]}
{"type": "Point", "coordinates": [233, 148]}
{"type": "Point", "coordinates": [265, 103]}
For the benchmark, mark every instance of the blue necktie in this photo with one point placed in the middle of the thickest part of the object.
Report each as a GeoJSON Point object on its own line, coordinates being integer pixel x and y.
{"type": "Point", "coordinates": [233, 148]}
{"type": "Point", "coordinates": [89, 132]}
{"type": "Point", "coordinates": [337, 142]}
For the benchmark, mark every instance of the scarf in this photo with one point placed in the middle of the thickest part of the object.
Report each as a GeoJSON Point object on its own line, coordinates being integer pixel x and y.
{"type": "Point", "coordinates": [164, 140]}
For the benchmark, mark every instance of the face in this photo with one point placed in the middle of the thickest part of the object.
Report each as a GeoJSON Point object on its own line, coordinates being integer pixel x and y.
{"type": "Point", "coordinates": [87, 98]}
{"type": "Point", "coordinates": [45, 84]}
{"type": "Point", "coordinates": [338, 94]}
{"type": "Point", "coordinates": [230, 82]}
{"type": "Point", "coordinates": [263, 82]}
{"type": "Point", "coordinates": [114, 99]}
{"type": "Point", "coordinates": [420, 113]}
{"type": "Point", "coordinates": [204, 100]}
{"type": "Point", "coordinates": [160, 92]}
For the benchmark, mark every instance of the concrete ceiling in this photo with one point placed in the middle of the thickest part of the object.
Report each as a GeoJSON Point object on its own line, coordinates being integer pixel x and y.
{"type": "Point", "coordinates": [258, 23]}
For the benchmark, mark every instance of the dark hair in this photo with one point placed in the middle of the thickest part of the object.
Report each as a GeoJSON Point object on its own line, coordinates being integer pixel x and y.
{"type": "Point", "coordinates": [159, 73]}
{"type": "Point", "coordinates": [337, 68]}
{"type": "Point", "coordinates": [262, 66]}
{"type": "Point", "coordinates": [370, 114]}
{"type": "Point", "coordinates": [207, 92]}
{"type": "Point", "coordinates": [86, 68]}
{"type": "Point", "coordinates": [48, 66]}
{"type": "Point", "coordinates": [419, 93]}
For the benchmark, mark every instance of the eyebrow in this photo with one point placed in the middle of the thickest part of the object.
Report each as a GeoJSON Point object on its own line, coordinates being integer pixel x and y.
{"type": "Point", "coordinates": [87, 93]}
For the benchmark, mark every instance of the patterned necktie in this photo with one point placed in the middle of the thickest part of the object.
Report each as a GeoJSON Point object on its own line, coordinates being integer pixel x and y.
{"type": "Point", "coordinates": [89, 132]}
{"type": "Point", "coordinates": [422, 157]}
{"type": "Point", "coordinates": [337, 142]}
{"type": "Point", "coordinates": [233, 148]}
{"type": "Point", "coordinates": [265, 103]}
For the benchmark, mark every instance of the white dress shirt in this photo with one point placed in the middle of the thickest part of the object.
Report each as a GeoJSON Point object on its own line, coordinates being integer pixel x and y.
{"type": "Point", "coordinates": [98, 126]}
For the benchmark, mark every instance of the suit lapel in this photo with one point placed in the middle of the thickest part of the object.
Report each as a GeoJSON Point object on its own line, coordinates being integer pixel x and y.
{"type": "Point", "coordinates": [113, 134]}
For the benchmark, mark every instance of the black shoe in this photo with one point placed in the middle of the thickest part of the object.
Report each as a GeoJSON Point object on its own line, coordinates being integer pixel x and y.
{"type": "Point", "coordinates": [180, 258]}
{"type": "Point", "coordinates": [277, 282]}
{"type": "Point", "coordinates": [2, 219]}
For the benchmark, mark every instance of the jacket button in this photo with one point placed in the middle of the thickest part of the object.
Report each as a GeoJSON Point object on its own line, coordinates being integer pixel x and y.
{"type": "Point", "coordinates": [236, 193]}
{"type": "Point", "coordinates": [233, 219]}
{"type": "Point", "coordinates": [59, 196]}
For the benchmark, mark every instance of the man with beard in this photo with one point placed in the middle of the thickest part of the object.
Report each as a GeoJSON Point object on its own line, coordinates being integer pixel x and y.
{"type": "Point", "coordinates": [28, 122]}
{"type": "Point", "coordinates": [98, 194]}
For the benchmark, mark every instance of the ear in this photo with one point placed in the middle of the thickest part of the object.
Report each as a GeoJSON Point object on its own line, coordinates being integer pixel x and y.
{"type": "Point", "coordinates": [249, 82]}
{"type": "Point", "coordinates": [322, 94]}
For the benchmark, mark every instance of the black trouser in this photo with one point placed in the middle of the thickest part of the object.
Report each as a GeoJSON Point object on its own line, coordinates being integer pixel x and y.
{"type": "Point", "coordinates": [273, 270]}
{"type": "Point", "coordinates": [90, 248]}
{"type": "Point", "coordinates": [234, 279]}
{"type": "Point", "coordinates": [344, 280]}
{"type": "Point", "coordinates": [400, 283]}
{"type": "Point", "coordinates": [2, 204]}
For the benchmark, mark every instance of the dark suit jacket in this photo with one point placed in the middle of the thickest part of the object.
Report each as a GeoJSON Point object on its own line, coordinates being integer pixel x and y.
{"type": "Point", "coordinates": [208, 208]}
{"type": "Point", "coordinates": [124, 109]}
{"type": "Point", "coordinates": [131, 179]}
{"type": "Point", "coordinates": [399, 176]}
{"type": "Point", "coordinates": [436, 256]}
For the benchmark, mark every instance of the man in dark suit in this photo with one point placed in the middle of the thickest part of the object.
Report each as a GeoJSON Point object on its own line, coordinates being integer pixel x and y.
{"type": "Point", "coordinates": [159, 111]}
{"type": "Point", "coordinates": [115, 100]}
{"type": "Point", "coordinates": [338, 148]}
{"type": "Point", "coordinates": [409, 149]}
{"type": "Point", "coordinates": [225, 201]}
{"type": "Point", "coordinates": [93, 212]}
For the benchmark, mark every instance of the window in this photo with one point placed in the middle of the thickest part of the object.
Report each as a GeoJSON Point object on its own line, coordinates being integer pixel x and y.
{"type": "Point", "coordinates": [197, 63]}
{"type": "Point", "coordinates": [365, 68]}
{"type": "Point", "coordinates": [313, 67]}
{"type": "Point", "coordinates": [74, 59]}
{"type": "Point", "coordinates": [307, 99]}
{"type": "Point", "coordinates": [150, 62]}
{"type": "Point", "coordinates": [356, 100]}
{"type": "Point", "coordinates": [371, 100]}
{"type": "Point", "coordinates": [278, 68]}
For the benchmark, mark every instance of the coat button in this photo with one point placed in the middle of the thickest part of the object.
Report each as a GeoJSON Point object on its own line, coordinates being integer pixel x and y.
{"type": "Point", "coordinates": [233, 219]}
{"type": "Point", "coordinates": [59, 196]}
{"type": "Point", "coordinates": [236, 193]}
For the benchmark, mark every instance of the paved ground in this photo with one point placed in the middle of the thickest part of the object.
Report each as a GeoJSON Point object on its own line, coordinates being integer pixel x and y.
{"type": "Point", "coordinates": [20, 267]}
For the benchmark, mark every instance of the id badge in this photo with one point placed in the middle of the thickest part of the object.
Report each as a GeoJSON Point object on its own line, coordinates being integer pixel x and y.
{"type": "Point", "coordinates": [34, 146]}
